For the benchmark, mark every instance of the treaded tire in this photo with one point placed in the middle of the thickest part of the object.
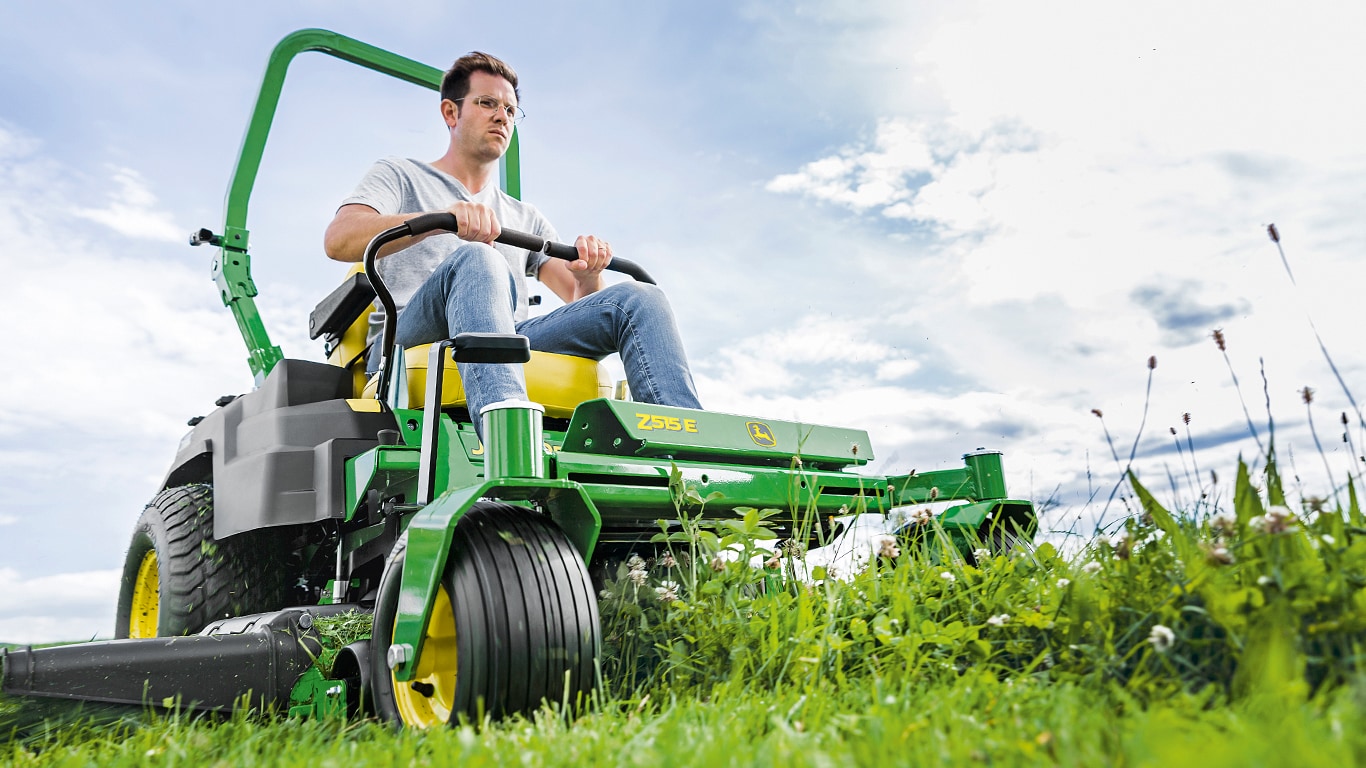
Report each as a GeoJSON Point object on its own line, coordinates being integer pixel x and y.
{"type": "Point", "coordinates": [525, 623]}
{"type": "Point", "coordinates": [198, 580]}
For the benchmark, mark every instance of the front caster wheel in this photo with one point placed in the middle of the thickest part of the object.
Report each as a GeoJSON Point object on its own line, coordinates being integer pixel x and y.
{"type": "Point", "coordinates": [514, 623]}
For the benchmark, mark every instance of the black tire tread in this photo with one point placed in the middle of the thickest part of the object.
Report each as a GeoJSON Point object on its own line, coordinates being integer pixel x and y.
{"type": "Point", "coordinates": [202, 579]}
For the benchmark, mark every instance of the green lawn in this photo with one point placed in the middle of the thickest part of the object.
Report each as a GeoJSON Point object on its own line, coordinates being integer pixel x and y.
{"type": "Point", "coordinates": [1218, 637]}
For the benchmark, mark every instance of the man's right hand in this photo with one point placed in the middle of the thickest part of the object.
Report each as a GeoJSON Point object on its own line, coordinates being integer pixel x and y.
{"type": "Point", "coordinates": [478, 223]}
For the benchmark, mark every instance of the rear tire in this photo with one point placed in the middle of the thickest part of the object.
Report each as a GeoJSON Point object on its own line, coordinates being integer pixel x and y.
{"type": "Point", "coordinates": [177, 579]}
{"type": "Point", "coordinates": [515, 623]}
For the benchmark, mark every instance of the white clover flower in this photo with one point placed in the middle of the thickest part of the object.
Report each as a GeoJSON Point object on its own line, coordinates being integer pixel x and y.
{"type": "Point", "coordinates": [948, 578]}
{"type": "Point", "coordinates": [1263, 581]}
{"type": "Point", "coordinates": [668, 560]}
{"type": "Point", "coordinates": [886, 546]}
{"type": "Point", "coordinates": [635, 563]}
{"type": "Point", "coordinates": [981, 554]}
{"type": "Point", "coordinates": [1219, 555]}
{"type": "Point", "coordinates": [606, 594]}
{"type": "Point", "coordinates": [1063, 583]}
{"type": "Point", "coordinates": [1224, 521]}
{"type": "Point", "coordinates": [1277, 519]}
{"type": "Point", "coordinates": [718, 563]}
{"type": "Point", "coordinates": [999, 620]}
{"type": "Point", "coordinates": [1329, 540]}
{"type": "Point", "coordinates": [1092, 567]}
{"type": "Point", "coordinates": [1120, 539]}
{"type": "Point", "coordinates": [1161, 638]}
{"type": "Point", "coordinates": [638, 576]}
{"type": "Point", "coordinates": [921, 516]}
{"type": "Point", "coordinates": [667, 591]}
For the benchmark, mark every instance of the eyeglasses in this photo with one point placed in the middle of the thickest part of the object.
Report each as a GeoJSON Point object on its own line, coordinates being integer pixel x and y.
{"type": "Point", "coordinates": [514, 113]}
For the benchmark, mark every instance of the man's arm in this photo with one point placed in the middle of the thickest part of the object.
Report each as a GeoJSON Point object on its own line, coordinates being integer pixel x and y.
{"type": "Point", "coordinates": [356, 224]}
{"type": "Point", "coordinates": [572, 280]}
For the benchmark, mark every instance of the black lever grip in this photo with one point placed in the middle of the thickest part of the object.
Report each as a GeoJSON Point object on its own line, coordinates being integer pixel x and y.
{"type": "Point", "coordinates": [427, 222]}
{"type": "Point", "coordinates": [445, 220]}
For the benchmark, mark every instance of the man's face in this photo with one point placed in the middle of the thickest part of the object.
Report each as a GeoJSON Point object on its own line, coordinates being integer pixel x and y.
{"type": "Point", "coordinates": [479, 133]}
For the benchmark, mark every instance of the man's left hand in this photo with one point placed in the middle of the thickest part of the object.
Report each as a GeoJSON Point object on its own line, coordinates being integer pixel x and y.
{"type": "Point", "coordinates": [594, 256]}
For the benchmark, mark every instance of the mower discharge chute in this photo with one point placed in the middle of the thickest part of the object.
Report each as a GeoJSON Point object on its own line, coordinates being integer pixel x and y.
{"type": "Point", "coordinates": [325, 490]}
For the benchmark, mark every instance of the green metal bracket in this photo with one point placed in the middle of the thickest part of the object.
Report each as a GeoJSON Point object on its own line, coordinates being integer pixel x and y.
{"type": "Point", "coordinates": [981, 477]}
{"type": "Point", "coordinates": [317, 697]}
{"type": "Point", "coordinates": [431, 532]}
{"type": "Point", "coordinates": [232, 266]}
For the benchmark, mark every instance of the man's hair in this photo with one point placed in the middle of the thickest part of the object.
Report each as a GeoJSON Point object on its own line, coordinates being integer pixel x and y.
{"type": "Point", "coordinates": [456, 83]}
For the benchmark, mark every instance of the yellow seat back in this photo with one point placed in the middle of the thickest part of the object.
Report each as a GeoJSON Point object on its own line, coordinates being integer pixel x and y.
{"type": "Point", "coordinates": [558, 382]}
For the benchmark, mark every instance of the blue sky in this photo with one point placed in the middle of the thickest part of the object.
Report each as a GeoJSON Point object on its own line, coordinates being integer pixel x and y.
{"type": "Point", "coordinates": [953, 225]}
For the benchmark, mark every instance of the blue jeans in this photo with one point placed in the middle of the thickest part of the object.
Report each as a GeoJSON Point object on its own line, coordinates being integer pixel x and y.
{"type": "Point", "coordinates": [474, 290]}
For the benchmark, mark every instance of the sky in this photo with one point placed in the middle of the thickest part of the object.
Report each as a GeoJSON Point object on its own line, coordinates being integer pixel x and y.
{"type": "Point", "coordinates": [955, 225]}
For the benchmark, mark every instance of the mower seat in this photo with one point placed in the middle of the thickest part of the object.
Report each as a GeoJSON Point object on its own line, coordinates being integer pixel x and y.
{"type": "Point", "coordinates": [557, 382]}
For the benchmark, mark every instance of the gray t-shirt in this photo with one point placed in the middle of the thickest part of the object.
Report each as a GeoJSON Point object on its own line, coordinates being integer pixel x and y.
{"type": "Point", "coordinates": [398, 185]}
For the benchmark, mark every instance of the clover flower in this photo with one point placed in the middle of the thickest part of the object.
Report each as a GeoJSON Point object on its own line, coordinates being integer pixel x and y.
{"type": "Point", "coordinates": [1123, 544]}
{"type": "Point", "coordinates": [1224, 522]}
{"type": "Point", "coordinates": [1277, 519]}
{"type": "Point", "coordinates": [667, 591]}
{"type": "Point", "coordinates": [948, 578]}
{"type": "Point", "coordinates": [1161, 638]}
{"type": "Point", "coordinates": [981, 554]}
{"type": "Point", "coordinates": [999, 620]}
{"type": "Point", "coordinates": [635, 563]}
{"type": "Point", "coordinates": [1064, 583]}
{"type": "Point", "coordinates": [1092, 567]}
{"type": "Point", "coordinates": [718, 563]}
{"type": "Point", "coordinates": [885, 544]}
{"type": "Point", "coordinates": [668, 560]}
{"type": "Point", "coordinates": [1218, 554]}
{"type": "Point", "coordinates": [638, 576]}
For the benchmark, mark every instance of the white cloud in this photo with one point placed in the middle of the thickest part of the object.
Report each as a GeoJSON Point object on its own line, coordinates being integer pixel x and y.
{"type": "Point", "coordinates": [8, 519]}
{"type": "Point", "coordinates": [61, 607]}
{"type": "Point", "coordinates": [132, 211]}
{"type": "Point", "coordinates": [1080, 201]}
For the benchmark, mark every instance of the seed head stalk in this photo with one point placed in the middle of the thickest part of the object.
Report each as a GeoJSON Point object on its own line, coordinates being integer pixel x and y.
{"type": "Point", "coordinates": [1307, 395]}
{"type": "Point", "coordinates": [1275, 236]}
{"type": "Point", "coordinates": [1133, 451]}
{"type": "Point", "coordinates": [1218, 335]}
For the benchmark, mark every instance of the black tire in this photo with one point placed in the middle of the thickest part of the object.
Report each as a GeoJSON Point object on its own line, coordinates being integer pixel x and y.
{"type": "Point", "coordinates": [197, 580]}
{"type": "Point", "coordinates": [516, 623]}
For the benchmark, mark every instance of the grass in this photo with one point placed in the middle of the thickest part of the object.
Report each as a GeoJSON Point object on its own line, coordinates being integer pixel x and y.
{"type": "Point", "coordinates": [1231, 639]}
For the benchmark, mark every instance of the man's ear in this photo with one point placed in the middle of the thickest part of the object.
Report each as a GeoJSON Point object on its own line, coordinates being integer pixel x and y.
{"type": "Point", "coordinates": [450, 112]}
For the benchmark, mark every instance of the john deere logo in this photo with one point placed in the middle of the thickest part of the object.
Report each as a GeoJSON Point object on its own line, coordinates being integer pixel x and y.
{"type": "Point", "coordinates": [761, 434]}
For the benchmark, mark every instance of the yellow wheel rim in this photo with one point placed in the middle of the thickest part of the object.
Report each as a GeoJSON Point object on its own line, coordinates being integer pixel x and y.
{"type": "Point", "coordinates": [426, 700]}
{"type": "Point", "coordinates": [142, 620]}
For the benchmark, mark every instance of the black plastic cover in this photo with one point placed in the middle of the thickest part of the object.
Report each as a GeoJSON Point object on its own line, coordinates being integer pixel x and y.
{"type": "Point", "coordinates": [339, 310]}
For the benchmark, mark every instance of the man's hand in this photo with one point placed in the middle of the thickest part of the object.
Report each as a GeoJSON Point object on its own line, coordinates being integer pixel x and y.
{"type": "Point", "coordinates": [478, 223]}
{"type": "Point", "coordinates": [572, 280]}
{"type": "Point", "coordinates": [594, 256]}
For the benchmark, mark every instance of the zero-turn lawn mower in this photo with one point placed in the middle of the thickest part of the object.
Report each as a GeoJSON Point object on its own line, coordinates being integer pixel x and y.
{"type": "Point", "coordinates": [325, 490]}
